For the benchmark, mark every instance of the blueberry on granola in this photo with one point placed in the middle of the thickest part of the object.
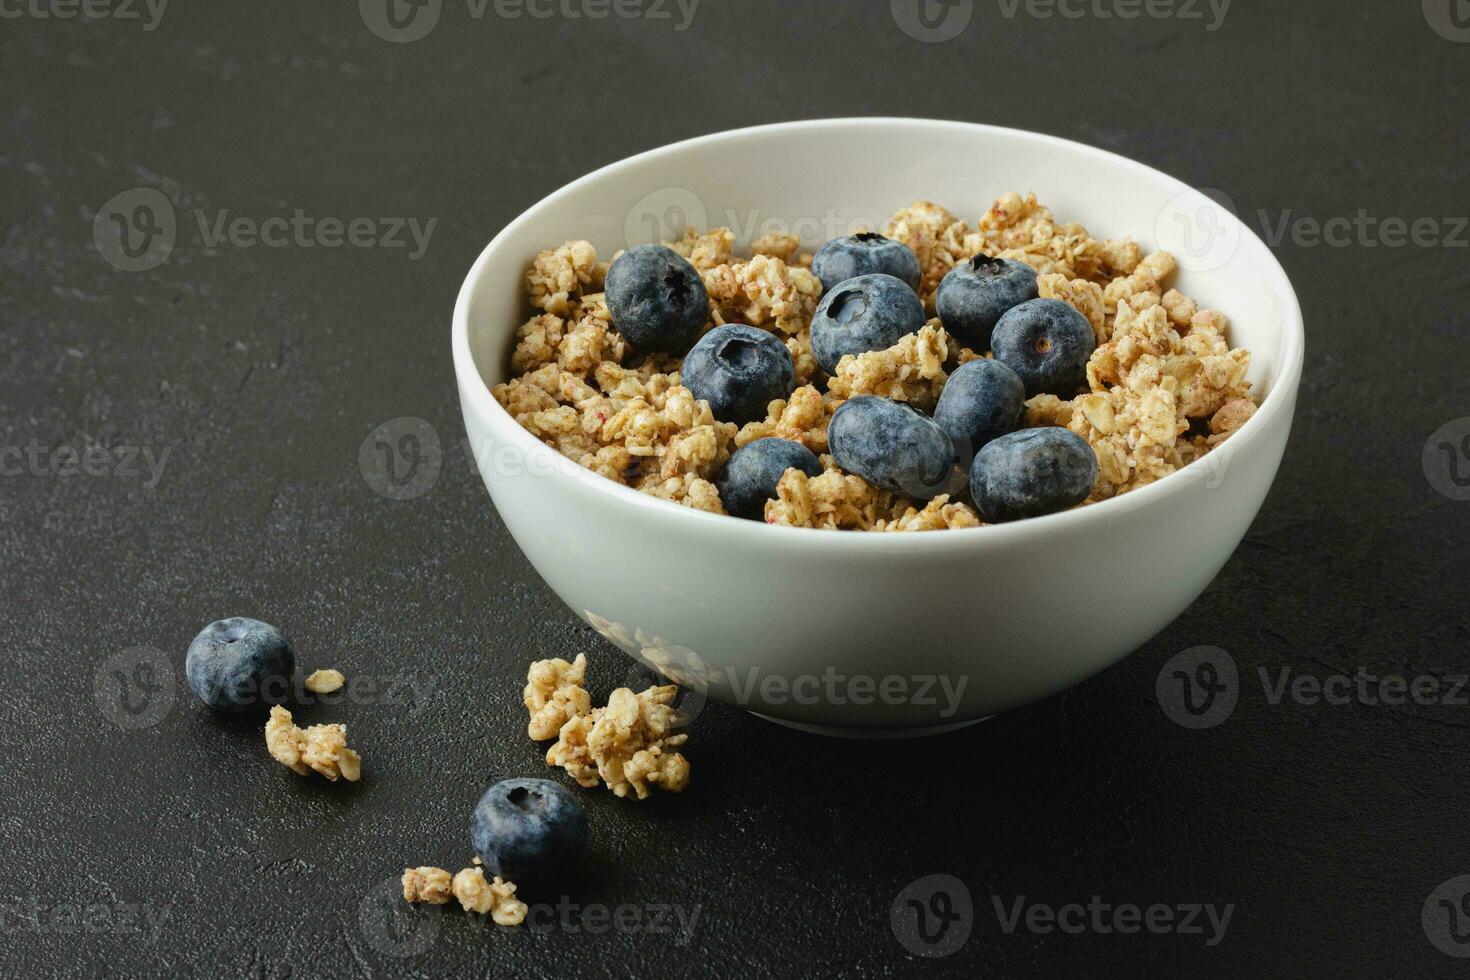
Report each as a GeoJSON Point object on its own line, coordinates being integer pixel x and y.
{"type": "Point", "coordinates": [529, 831]}
{"type": "Point", "coordinates": [240, 664]}
{"type": "Point", "coordinates": [1031, 473]}
{"type": "Point", "coordinates": [981, 401]}
{"type": "Point", "coordinates": [1048, 343]}
{"type": "Point", "coordinates": [739, 370]}
{"type": "Point", "coordinates": [892, 445]}
{"type": "Point", "coordinates": [656, 298]}
{"type": "Point", "coordinates": [975, 294]}
{"type": "Point", "coordinates": [861, 254]}
{"type": "Point", "coordinates": [871, 312]}
{"type": "Point", "coordinates": [750, 476]}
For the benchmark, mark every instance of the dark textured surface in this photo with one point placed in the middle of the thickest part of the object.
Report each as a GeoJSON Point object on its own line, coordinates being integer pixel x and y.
{"type": "Point", "coordinates": [262, 370]}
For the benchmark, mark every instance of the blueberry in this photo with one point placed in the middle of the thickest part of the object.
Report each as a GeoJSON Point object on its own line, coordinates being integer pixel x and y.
{"type": "Point", "coordinates": [749, 478]}
{"type": "Point", "coordinates": [858, 255]}
{"type": "Point", "coordinates": [892, 445]}
{"type": "Point", "coordinates": [656, 298]}
{"type": "Point", "coordinates": [981, 401]}
{"type": "Point", "coordinates": [739, 370]}
{"type": "Point", "coordinates": [529, 831]}
{"type": "Point", "coordinates": [240, 664]}
{"type": "Point", "coordinates": [976, 294]}
{"type": "Point", "coordinates": [1030, 473]}
{"type": "Point", "coordinates": [871, 312]}
{"type": "Point", "coordinates": [1047, 343]}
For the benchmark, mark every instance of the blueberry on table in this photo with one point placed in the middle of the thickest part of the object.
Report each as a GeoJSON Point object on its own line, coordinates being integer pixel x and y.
{"type": "Point", "coordinates": [1031, 473]}
{"type": "Point", "coordinates": [240, 664]}
{"type": "Point", "coordinates": [529, 831]}
{"type": "Point", "coordinates": [739, 370]}
{"type": "Point", "coordinates": [1047, 342]}
{"type": "Point", "coordinates": [871, 312]}
{"type": "Point", "coordinates": [975, 294]}
{"type": "Point", "coordinates": [656, 298]}
{"type": "Point", "coordinates": [750, 476]}
{"type": "Point", "coordinates": [861, 254]}
{"type": "Point", "coordinates": [981, 401]}
{"type": "Point", "coordinates": [892, 445]}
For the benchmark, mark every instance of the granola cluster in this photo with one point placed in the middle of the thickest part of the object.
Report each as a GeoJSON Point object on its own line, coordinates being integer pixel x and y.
{"type": "Point", "coordinates": [1164, 385]}
{"type": "Point", "coordinates": [434, 886]}
{"type": "Point", "coordinates": [322, 748]}
{"type": "Point", "coordinates": [628, 745]}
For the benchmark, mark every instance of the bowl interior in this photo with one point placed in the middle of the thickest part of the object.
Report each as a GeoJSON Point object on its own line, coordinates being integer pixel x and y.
{"type": "Point", "coordinates": [827, 178]}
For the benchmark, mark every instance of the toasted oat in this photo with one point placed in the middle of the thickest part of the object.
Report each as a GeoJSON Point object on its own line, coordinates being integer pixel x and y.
{"type": "Point", "coordinates": [554, 693]}
{"type": "Point", "coordinates": [497, 897]}
{"type": "Point", "coordinates": [322, 748]}
{"type": "Point", "coordinates": [910, 371]}
{"type": "Point", "coordinates": [325, 681]}
{"type": "Point", "coordinates": [626, 745]}
{"type": "Point", "coordinates": [426, 884]}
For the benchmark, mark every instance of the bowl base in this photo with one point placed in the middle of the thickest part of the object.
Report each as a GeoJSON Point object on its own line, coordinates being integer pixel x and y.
{"type": "Point", "coordinates": [837, 731]}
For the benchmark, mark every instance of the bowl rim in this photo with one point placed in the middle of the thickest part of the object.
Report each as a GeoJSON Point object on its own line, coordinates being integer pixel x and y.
{"type": "Point", "coordinates": [476, 397]}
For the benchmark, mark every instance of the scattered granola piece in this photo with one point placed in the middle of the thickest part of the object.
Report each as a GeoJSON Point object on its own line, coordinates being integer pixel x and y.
{"type": "Point", "coordinates": [321, 747]}
{"type": "Point", "coordinates": [626, 744]}
{"type": "Point", "coordinates": [426, 884]}
{"type": "Point", "coordinates": [475, 894]}
{"type": "Point", "coordinates": [554, 693]}
{"type": "Point", "coordinates": [325, 681]}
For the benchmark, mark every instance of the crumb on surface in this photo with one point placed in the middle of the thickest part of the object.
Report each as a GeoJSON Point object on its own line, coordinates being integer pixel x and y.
{"type": "Point", "coordinates": [627, 745]}
{"type": "Point", "coordinates": [322, 748]}
{"type": "Point", "coordinates": [554, 692]}
{"type": "Point", "coordinates": [496, 897]}
{"type": "Point", "coordinates": [429, 885]}
{"type": "Point", "coordinates": [325, 681]}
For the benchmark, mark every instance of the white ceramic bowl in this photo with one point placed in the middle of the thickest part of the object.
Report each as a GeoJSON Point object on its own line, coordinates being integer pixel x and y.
{"type": "Point", "coordinates": [878, 633]}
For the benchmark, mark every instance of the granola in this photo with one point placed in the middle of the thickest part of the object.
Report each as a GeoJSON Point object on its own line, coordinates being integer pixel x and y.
{"type": "Point", "coordinates": [429, 885]}
{"type": "Point", "coordinates": [322, 748]}
{"type": "Point", "coordinates": [325, 681]}
{"type": "Point", "coordinates": [628, 745]}
{"type": "Point", "coordinates": [554, 694]}
{"type": "Point", "coordinates": [496, 897]}
{"type": "Point", "coordinates": [1164, 386]}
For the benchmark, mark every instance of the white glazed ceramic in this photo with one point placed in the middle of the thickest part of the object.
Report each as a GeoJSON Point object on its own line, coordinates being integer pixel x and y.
{"type": "Point", "coordinates": [846, 631]}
